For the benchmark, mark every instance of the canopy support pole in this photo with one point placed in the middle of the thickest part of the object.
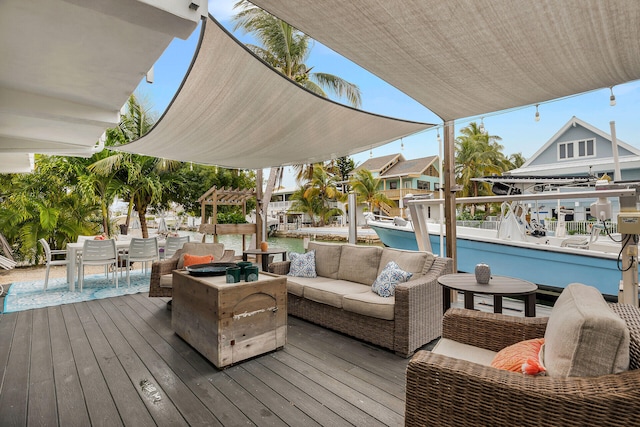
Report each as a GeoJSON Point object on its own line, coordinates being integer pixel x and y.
{"type": "Point", "coordinates": [450, 191]}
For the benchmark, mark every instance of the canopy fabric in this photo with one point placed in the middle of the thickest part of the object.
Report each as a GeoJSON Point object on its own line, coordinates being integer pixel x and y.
{"type": "Point", "coordinates": [462, 58]}
{"type": "Point", "coordinates": [235, 111]}
{"type": "Point", "coordinates": [68, 66]}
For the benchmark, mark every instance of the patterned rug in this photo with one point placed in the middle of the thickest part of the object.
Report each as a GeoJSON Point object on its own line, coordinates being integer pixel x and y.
{"type": "Point", "coordinates": [28, 295]}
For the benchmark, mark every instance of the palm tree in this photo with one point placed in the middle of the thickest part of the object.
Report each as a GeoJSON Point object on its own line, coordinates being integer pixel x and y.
{"type": "Point", "coordinates": [286, 49]}
{"type": "Point", "coordinates": [367, 189]}
{"type": "Point", "coordinates": [323, 187]}
{"type": "Point", "coordinates": [307, 205]}
{"type": "Point", "coordinates": [478, 154]}
{"type": "Point", "coordinates": [140, 177]}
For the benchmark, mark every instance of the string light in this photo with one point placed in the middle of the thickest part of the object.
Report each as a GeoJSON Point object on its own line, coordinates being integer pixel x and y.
{"type": "Point", "coordinates": [371, 153]}
{"type": "Point", "coordinates": [481, 128]}
{"type": "Point", "coordinates": [401, 144]}
{"type": "Point", "coordinates": [612, 98]}
{"type": "Point", "coordinates": [190, 165]}
{"type": "Point", "coordinates": [438, 137]}
{"type": "Point", "coordinates": [537, 117]}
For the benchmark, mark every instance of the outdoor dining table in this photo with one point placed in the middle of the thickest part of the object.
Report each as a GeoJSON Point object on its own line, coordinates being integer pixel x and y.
{"type": "Point", "coordinates": [74, 249]}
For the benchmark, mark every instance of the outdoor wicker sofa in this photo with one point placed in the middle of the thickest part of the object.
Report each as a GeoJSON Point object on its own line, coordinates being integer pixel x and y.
{"type": "Point", "coordinates": [448, 391]}
{"type": "Point", "coordinates": [340, 297]}
{"type": "Point", "coordinates": [161, 272]}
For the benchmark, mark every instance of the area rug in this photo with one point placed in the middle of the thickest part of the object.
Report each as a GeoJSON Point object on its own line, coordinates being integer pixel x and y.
{"type": "Point", "coordinates": [29, 295]}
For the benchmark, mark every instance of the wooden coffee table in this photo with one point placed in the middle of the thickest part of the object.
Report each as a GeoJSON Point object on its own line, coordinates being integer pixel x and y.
{"type": "Point", "coordinates": [230, 322]}
{"type": "Point", "coordinates": [498, 286]}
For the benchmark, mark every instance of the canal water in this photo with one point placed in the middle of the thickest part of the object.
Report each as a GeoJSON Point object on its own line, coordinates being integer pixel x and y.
{"type": "Point", "coordinates": [234, 241]}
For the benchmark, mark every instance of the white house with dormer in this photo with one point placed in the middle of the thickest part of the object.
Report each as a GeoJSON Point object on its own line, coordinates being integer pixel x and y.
{"type": "Point", "coordinates": [579, 149]}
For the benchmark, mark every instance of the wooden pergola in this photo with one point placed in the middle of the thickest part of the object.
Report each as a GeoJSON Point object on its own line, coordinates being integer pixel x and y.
{"type": "Point", "coordinates": [227, 196]}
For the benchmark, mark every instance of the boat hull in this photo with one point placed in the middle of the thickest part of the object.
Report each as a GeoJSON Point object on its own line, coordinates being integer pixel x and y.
{"type": "Point", "coordinates": [546, 265]}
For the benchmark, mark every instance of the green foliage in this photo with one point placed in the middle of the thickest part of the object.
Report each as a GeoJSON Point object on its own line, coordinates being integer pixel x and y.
{"type": "Point", "coordinates": [47, 203]}
{"type": "Point", "coordinates": [231, 218]}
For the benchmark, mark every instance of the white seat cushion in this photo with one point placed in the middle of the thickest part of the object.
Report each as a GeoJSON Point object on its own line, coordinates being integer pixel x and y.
{"type": "Point", "coordinates": [331, 291]}
{"type": "Point", "coordinates": [451, 348]}
{"type": "Point", "coordinates": [370, 304]}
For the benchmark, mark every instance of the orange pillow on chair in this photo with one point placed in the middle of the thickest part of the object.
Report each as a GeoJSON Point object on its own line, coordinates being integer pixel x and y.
{"type": "Point", "coordinates": [197, 259]}
{"type": "Point", "coordinates": [521, 357]}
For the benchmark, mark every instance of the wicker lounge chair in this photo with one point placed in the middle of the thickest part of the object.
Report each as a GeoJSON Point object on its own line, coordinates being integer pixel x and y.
{"type": "Point", "coordinates": [166, 267]}
{"type": "Point", "coordinates": [445, 391]}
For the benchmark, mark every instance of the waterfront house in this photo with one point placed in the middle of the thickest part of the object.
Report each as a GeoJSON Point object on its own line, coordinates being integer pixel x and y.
{"type": "Point", "coordinates": [581, 149]}
{"type": "Point", "coordinates": [400, 177]}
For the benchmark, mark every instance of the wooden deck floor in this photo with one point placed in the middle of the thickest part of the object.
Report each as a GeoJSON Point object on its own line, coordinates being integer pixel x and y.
{"type": "Point", "coordinates": [117, 362]}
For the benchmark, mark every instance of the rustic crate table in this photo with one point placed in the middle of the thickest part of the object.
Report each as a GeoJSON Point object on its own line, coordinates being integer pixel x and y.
{"type": "Point", "coordinates": [230, 322]}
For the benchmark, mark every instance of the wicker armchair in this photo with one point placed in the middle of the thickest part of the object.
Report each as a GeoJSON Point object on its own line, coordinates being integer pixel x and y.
{"type": "Point", "coordinates": [161, 268]}
{"type": "Point", "coordinates": [445, 391]}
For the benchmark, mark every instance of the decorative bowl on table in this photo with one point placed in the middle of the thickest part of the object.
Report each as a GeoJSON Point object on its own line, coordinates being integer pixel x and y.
{"type": "Point", "coordinates": [210, 269]}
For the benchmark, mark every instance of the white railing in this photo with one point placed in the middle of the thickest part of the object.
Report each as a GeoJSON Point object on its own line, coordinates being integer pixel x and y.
{"type": "Point", "coordinates": [572, 227]}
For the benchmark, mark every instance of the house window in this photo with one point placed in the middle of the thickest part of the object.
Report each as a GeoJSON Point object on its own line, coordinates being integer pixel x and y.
{"type": "Point", "coordinates": [573, 149]}
{"type": "Point", "coordinates": [393, 185]}
{"type": "Point", "coordinates": [407, 184]}
{"type": "Point", "coordinates": [424, 185]}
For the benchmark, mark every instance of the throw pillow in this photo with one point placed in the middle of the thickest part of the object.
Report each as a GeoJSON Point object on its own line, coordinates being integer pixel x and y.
{"type": "Point", "coordinates": [302, 265]}
{"type": "Point", "coordinates": [390, 276]}
{"type": "Point", "coordinates": [197, 259]}
{"type": "Point", "coordinates": [521, 357]}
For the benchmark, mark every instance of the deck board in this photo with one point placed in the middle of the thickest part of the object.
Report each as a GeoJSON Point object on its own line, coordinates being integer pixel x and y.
{"type": "Point", "coordinates": [42, 402]}
{"type": "Point", "coordinates": [83, 364]}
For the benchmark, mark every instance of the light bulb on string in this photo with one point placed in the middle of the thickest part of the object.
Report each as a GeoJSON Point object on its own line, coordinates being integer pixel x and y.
{"type": "Point", "coordinates": [190, 165]}
{"type": "Point", "coordinates": [612, 98]}
{"type": "Point", "coordinates": [481, 128]}
{"type": "Point", "coordinates": [401, 144]}
{"type": "Point", "coordinates": [371, 153]}
{"type": "Point", "coordinates": [438, 137]}
{"type": "Point", "coordinates": [537, 117]}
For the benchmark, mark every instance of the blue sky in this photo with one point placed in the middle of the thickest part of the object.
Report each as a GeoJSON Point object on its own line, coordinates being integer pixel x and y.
{"type": "Point", "coordinates": [519, 131]}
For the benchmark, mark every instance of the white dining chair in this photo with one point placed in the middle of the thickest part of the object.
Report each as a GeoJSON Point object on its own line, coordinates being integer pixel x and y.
{"type": "Point", "coordinates": [172, 244]}
{"type": "Point", "coordinates": [98, 252]}
{"type": "Point", "coordinates": [48, 253]}
{"type": "Point", "coordinates": [141, 250]}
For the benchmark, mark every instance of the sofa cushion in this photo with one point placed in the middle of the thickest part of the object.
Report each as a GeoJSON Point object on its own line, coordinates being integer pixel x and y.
{"type": "Point", "coordinates": [327, 258]}
{"type": "Point", "coordinates": [391, 275]}
{"type": "Point", "coordinates": [295, 285]}
{"type": "Point", "coordinates": [359, 263]}
{"type": "Point", "coordinates": [458, 350]}
{"type": "Point", "coordinates": [302, 265]}
{"type": "Point", "coordinates": [194, 248]}
{"type": "Point", "coordinates": [370, 304]}
{"type": "Point", "coordinates": [411, 261]}
{"type": "Point", "coordinates": [584, 337]}
{"type": "Point", "coordinates": [331, 292]}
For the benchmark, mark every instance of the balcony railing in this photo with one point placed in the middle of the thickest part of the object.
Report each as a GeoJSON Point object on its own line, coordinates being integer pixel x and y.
{"type": "Point", "coordinates": [402, 192]}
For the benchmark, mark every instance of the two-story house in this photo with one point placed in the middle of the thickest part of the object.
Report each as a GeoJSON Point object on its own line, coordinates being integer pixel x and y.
{"type": "Point", "coordinates": [400, 177]}
{"type": "Point", "coordinates": [580, 149]}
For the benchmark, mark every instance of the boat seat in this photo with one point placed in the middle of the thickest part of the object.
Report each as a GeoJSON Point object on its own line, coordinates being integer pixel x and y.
{"type": "Point", "coordinates": [575, 242]}
{"type": "Point", "coordinates": [399, 221]}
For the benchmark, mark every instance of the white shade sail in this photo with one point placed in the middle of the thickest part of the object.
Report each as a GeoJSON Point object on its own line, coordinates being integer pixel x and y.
{"type": "Point", "coordinates": [462, 58]}
{"type": "Point", "coordinates": [233, 110]}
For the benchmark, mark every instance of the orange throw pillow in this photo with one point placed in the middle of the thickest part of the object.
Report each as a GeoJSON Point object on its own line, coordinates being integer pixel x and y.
{"type": "Point", "coordinates": [197, 259]}
{"type": "Point", "coordinates": [521, 357]}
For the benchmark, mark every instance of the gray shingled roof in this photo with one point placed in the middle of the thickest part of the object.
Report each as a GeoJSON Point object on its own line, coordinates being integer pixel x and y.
{"type": "Point", "coordinates": [411, 167]}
